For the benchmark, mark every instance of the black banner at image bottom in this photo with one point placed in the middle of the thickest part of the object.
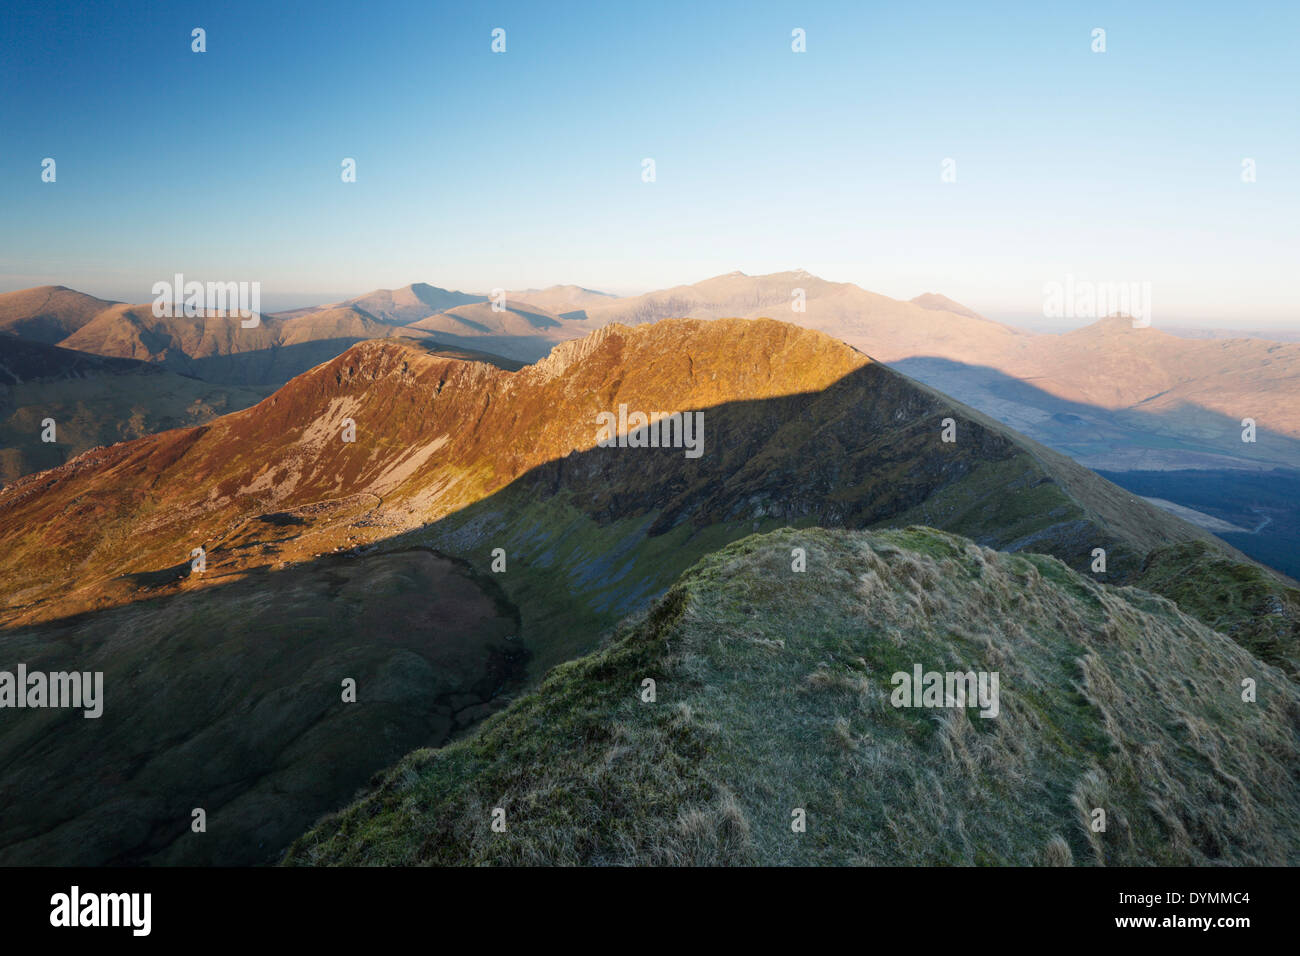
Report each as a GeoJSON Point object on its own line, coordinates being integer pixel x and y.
{"type": "Point", "coordinates": [135, 906]}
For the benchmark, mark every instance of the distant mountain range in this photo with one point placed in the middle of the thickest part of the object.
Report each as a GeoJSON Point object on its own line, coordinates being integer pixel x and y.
{"type": "Point", "coordinates": [1130, 401]}
{"type": "Point", "coordinates": [1110, 395]}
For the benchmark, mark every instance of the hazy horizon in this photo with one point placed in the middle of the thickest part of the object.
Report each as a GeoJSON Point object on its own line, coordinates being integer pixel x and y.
{"type": "Point", "coordinates": [515, 169]}
{"type": "Point", "coordinates": [280, 301]}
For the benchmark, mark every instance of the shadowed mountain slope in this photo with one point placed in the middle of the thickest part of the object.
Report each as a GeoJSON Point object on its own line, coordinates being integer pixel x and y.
{"type": "Point", "coordinates": [520, 331]}
{"type": "Point", "coordinates": [94, 401]}
{"type": "Point", "coordinates": [1110, 395]}
{"type": "Point", "coordinates": [402, 306]}
{"type": "Point", "coordinates": [219, 349]}
{"type": "Point", "coordinates": [1152, 400]}
{"type": "Point", "coordinates": [563, 300]}
{"type": "Point", "coordinates": [774, 694]}
{"type": "Point", "coordinates": [231, 699]}
{"type": "Point", "coordinates": [420, 300]}
{"type": "Point", "coordinates": [1180, 437]}
{"type": "Point", "coordinates": [467, 458]}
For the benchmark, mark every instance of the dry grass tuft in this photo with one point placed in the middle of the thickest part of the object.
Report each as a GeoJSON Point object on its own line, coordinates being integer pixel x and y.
{"type": "Point", "coordinates": [774, 695]}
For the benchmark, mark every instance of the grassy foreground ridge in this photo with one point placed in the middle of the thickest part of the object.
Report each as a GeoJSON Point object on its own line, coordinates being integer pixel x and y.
{"type": "Point", "coordinates": [773, 694]}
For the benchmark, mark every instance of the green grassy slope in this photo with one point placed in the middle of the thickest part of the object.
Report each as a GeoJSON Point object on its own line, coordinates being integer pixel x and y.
{"type": "Point", "coordinates": [773, 694]}
{"type": "Point", "coordinates": [1255, 607]}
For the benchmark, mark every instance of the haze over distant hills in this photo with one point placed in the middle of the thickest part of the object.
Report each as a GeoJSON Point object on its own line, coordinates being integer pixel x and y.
{"type": "Point", "coordinates": [401, 306]}
{"type": "Point", "coordinates": [218, 349]}
{"type": "Point", "coordinates": [1110, 395]}
{"type": "Point", "coordinates": [48, 314]}
{"type": "Point", "coordinates": [1274, 334]}
{"type": "Point", "coordinates": [567, 301]}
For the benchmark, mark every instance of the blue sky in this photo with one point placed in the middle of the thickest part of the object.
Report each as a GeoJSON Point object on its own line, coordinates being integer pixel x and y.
{"type": "Point", "coordinates": [477, 170]}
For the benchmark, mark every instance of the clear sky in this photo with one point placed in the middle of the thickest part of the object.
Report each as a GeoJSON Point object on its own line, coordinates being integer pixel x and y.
{"type": "Point", "coordinates": [477, 170]}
